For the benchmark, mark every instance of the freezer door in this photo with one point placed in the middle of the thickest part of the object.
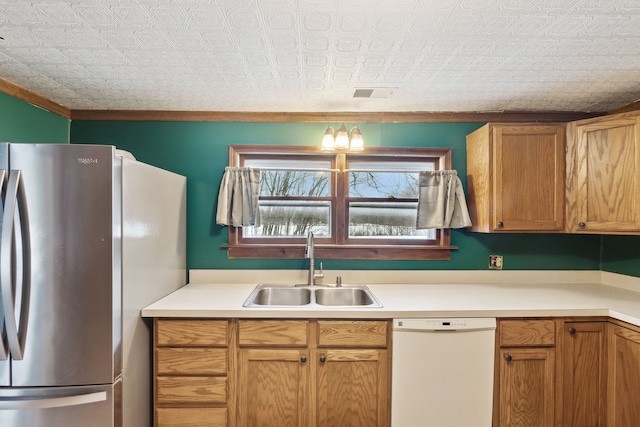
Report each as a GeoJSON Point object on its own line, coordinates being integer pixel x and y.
{"type": "Point", "coordinates": [60, 407]}
{"type": "Point", "coordinates": [74, 290]}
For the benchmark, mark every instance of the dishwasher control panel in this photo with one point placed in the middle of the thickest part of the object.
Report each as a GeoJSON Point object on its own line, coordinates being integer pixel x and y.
{"type": "Point", "coordinates": [444, 324]}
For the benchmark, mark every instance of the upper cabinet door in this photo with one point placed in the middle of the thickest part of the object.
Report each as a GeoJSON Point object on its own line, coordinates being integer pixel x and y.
{"type": "Point", "coordinates": [516, 177]}
{"type": "Point", "coordinates": [607, 176]}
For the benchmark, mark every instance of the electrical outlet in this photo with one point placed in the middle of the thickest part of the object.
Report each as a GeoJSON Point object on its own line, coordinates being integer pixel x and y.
{"type": "Point", "coordinates": [495, 262]}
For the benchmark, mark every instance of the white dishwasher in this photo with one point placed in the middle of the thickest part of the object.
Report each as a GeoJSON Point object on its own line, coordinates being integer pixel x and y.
{"type": "Point", "coordinates": [442, 372]}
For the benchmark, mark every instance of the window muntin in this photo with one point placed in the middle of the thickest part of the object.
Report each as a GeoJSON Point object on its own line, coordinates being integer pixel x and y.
{"type": "Point", "coordinates": [332, 214]}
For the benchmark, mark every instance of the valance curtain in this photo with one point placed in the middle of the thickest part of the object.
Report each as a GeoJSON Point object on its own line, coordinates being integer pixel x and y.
{"type": "Point", "coordinates": [238, 197]}
{"type": "Point", "coordinates": [441, 202]}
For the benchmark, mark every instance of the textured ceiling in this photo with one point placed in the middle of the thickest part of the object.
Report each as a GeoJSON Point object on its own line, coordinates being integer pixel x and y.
{"type": "Point", "coordinates": [311, 55]}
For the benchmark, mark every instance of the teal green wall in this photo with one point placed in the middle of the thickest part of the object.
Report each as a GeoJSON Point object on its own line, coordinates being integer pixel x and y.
{"type": "Point", "coordinates": [621, 254]}
{"type": "Point", "coordinates": [23, 122]}
{"type": "Point", "coordinates": [198, 150]}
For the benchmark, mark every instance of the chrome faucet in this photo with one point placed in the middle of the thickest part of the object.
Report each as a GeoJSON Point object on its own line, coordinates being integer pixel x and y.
{"type": "Point", "coordinates": [308, 253]}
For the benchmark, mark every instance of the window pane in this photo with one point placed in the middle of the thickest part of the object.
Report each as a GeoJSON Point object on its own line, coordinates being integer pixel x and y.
{"type": "Point", "coordinates": [385, 220]}
{"type": "Point", "coordinates": [292, 219]}
{"type": "Point", "coordinates": [281, 179]}
{"type": "Point", "coordinates": [386, 179]}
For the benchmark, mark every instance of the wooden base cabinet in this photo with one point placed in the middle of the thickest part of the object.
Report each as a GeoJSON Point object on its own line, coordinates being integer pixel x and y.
{"type": "Point", "coordinates": [274, 373]}
{"type": "Point", "coordinates": [525, 367]}
{"type": "Point", "coordinates": [553, 372]}
{"type": "Point", "coordinates": [353, 374]}
{"type": "Point", "coordinates": [191, 373]}
{"type": "Point", "coordinates": [582, 375]}
{"type": "Point", "coordinates": [624, 377]}
{"type": "Point", "coordinates": [320, 373]}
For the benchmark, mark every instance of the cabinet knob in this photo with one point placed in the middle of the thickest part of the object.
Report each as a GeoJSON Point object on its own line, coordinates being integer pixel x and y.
{"type": "Point", "coordinates": [303, 359]}
{"type": "Point", "coordinates": [508, 358]}
{"type": "Point", "coordinates": [582, 225]}
{"type": "Point", "coordinates": [500, 224]}
{"type": "Point", "coordinates": [323, 359]}
{"type": "Point", "coordinates": [572, 331]}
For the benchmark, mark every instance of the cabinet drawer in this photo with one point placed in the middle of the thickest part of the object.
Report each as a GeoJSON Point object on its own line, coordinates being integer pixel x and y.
{"type": "Point", "coordinates": [352, 333]}
{"type": "Point", "coordinates": [174, 390]}
{"type": "Point", "coordinates": [191, 361]}
{"type": "Point", "coordinates": [191, 332]}
{"type": "Point", "coordinates": [273, 332]}
{"type": "Point", "coordinates": [191, 417]}
{"type": "Point", "coordinates": [523, 333]}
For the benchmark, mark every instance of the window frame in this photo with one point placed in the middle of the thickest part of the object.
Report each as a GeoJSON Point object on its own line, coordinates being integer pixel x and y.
{"type": "Point", "coordinates": [339, 246]}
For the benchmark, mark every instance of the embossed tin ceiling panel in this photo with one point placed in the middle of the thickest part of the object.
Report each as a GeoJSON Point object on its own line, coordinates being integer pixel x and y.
{"type": "Point", "coordinates": [312, 55]}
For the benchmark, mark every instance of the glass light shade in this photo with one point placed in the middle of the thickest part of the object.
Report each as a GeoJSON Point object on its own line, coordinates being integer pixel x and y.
{"type": "Point", "coordinates": [342, 138]}
{"type": "Point", "coordinates": [328, 143]}
{"type": "Point", "coordinates": [357, 142]}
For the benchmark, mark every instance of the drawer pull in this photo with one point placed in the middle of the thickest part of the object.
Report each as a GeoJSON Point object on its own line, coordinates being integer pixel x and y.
{"type": "Point", "coordinates": [508, 358]}
{"type": "Point", "coordinates": [303, 359]}
{"type": "Point", "coordinates": [572, 331]}
{"type": "Point", "coordinates": [323, 359]}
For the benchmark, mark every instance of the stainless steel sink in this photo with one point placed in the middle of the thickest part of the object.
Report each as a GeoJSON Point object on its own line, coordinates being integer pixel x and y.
{"type": "Point", "coordinates": [309, 296]}
{"type": "Point", "coordinates": [344, 296]}
{"type": "Point", "coordinates": [280, 295]}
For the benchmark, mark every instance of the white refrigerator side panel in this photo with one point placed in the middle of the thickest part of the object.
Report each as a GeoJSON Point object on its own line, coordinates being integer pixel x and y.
{"type": "Point", "coordinates": [154, 265]}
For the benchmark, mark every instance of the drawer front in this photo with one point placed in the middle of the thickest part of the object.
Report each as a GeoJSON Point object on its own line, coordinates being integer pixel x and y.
{"type": "Point", "coordinates": [191, 361]}
{"type": "Point", "coordinates": [193, 390]}
{"type": "Point", "coordinates": [352, 333]}
{"type": "Point", "coordinates": [523, 333]}
{"type": "Point", "coordinates": [191, 332]}
{"type": "Point", "coordinates": [273, 332]}
{"type": "Point", "coordinates": [191, 417]}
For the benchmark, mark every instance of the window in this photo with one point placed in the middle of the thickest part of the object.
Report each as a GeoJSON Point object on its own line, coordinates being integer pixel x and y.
{"type": "Point", "coordinates": [358, 205]}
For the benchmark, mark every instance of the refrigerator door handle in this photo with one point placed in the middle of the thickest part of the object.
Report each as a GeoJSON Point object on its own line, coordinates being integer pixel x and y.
{"type": "Point", "coordinates": [53, 402]}
{"type": "Point", "coordinates": [11, 262]}
{"type": "Point", "coordinates": [4, 349]}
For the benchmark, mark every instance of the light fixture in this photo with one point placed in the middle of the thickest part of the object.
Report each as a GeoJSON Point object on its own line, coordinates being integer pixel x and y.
{"type": "Point", "coordinates": [343, 140]}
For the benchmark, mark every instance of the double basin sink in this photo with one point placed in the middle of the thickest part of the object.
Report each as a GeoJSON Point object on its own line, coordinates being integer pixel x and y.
{"type": "Point", "coordinates": [306, 295]}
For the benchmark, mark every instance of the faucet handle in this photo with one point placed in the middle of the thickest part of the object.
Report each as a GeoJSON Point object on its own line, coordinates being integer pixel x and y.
{"type": "Point", "coordinates": [320, 274]}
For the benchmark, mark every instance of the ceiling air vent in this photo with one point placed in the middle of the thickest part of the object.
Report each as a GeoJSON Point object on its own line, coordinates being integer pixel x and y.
{"type": "Point", "coordinates": [373, 93]}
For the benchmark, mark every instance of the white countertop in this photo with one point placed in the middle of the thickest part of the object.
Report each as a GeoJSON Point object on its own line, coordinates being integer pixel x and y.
{"type": "Point", "coordinates": [602, 294]}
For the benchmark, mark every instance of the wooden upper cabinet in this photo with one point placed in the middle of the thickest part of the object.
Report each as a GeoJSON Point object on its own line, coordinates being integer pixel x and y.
{"type": "Point", "coordinates": [603, 179]}
{"type": "Point", "coordinates": [516, 177]}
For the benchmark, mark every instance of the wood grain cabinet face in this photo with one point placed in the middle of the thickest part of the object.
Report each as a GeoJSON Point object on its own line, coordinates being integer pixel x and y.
{"type": "Point", "coordinates": [623, 378]}
{"type": "Point", "coordinates": [313, 373]}
{"type": "Point", "coordinates": [525, 373]}
{"type": "Point", "coordinates": [191, 380]}
{"type": "Point", "coordinates": [516, 177]}
{"type": "Point", "coordinates": [353, 379]}
{"type": "Point", "coordinates": [273, 373]}
{"type": "Point", "coordinates": [603, 187]}
{"type": "Point", "coordinates": [582, 360]}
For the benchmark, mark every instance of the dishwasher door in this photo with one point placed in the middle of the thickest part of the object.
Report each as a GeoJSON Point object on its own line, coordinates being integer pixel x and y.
{"type": "Point", "coordinates": [442, 372]}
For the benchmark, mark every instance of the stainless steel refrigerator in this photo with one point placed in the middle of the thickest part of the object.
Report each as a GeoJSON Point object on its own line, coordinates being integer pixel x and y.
{"type": "Point", "coordinates": [89, 236]}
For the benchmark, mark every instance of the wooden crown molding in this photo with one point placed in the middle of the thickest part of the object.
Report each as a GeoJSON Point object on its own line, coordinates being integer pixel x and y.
{"type": "Point", "coordinates": [334, 117]}
{"type": "Point", "coordinates": [33, 98]}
